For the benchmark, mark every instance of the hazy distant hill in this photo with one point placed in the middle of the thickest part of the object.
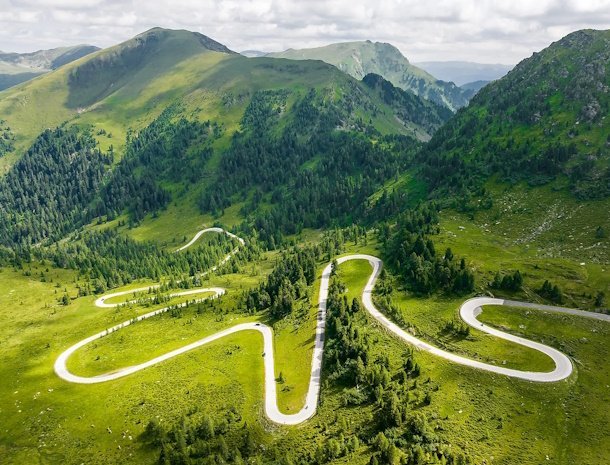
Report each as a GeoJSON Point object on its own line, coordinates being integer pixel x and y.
{"type": "Point", "coordinates": [464, 72]}
{"type": "Point", "coordinates": [253, 53]}
{"type": "Point", "coordinates": [361, 58]}
{"type": "Point", "coordinates": [474, 86]}
{"type": "Point", "coordinates": [19, 67]}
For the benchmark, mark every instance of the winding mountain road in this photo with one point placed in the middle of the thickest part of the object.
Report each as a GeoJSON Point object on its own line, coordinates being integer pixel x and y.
{"type": "Point", "coordinates": [468, 312]}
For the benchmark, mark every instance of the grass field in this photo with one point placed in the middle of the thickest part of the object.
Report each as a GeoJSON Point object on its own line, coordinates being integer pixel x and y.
{"type": "Point", "coordinates": [40, 328]}
{"type": "Point", "coordinates": [55, 421]}
{"type": "Point", "coordinates": [486, 415]}
{"type": "Point", "coordinates": [501, 420]}
{"type": "Point", "coordinates": [546, 235]}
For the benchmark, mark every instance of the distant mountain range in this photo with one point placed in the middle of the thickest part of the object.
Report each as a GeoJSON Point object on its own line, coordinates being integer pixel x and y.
{"type": "Point", "coordinates": [16, 68]}
{"type": "Point", "coordinates": [355, 58]}
{"type": "Point", "coordinates": [465, 72]}
{"type": "Point", "coordinates": [160, 66]}
{"type": "Point", "coordinates": [253, 53]}
{"type": "Point", "coordinates": [361, 58]}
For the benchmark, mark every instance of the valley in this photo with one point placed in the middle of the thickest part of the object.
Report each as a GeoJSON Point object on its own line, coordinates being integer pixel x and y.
{"type": "Point", "coordinates": [208, 258]}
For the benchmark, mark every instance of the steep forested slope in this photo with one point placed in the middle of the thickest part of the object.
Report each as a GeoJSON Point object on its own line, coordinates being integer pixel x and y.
{"type": "Point", "coordinates": [408, 106]}
{"type": "Point", "coordinates": [183, 119]}
{"type": "Point", "coordinates": [546, 119]}
{"type": "Point", "coordinates": [45, 195]}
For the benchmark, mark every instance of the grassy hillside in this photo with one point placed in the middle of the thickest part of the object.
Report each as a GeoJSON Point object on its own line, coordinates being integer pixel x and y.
{"type": "Point", "coordinates": [16, 68]}
{"type": "Point", "coordinates": [60, 96]}
{"type": "Point", "coordinates": [171, 132]}
{"type": "Point", "coordinates": [361, 58]}
{"type": "Point", "coordinates": [127, 86]}
{"type": "Point", "coordinates": [479, 413]}
{"type": "Point", "coordinates": [183, 109]}
{"type": "Point", "coordinates": [545, 120]}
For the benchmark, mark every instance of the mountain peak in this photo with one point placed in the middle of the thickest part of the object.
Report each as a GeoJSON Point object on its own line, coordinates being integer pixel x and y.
{"type": "Point", "coordinates": [154, 49]}
{"type": "Point", "coordinates": [161, 34]}
{"type": "Point", "coordinates": [360, 58]}
{"type": "Point", "coordinates": [583, 39]}
{"type": "Point", "coordinates": [556, 101]}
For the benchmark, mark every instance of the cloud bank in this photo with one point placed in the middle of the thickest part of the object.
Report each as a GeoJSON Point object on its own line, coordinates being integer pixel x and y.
{"type": "Point", "coordinates": [489, 31]}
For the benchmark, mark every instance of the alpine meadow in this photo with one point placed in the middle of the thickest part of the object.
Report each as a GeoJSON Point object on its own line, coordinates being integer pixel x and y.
{"type": "Point", "coordinates": [324, 255]}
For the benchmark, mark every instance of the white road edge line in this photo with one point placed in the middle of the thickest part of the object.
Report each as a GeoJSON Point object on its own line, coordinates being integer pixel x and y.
{"type": "Point", "coordinates": [468, 312]}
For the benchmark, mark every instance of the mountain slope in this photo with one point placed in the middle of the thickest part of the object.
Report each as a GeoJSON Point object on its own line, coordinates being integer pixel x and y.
{"type": "Point", "coordinates": [109, 70]}
{"type": "Point", "coordinates": [16, 68]}
{"type": "Point", "coordinates": [361, 58]}
{"type": "Point", "coordinates": [129, 85]}
{"type": "Point", "coordinates": [474, 86]}
{"type": "Point", "coordinates": [178, 114]}
{"type": "Point", "coordinates": [545, 120]}
{"type": "Point", "coordinates": [408, 106]}
{"type": "Point", "coordinates": [463, 72]}
{"type": "Point", "coordinates": [141, 75]}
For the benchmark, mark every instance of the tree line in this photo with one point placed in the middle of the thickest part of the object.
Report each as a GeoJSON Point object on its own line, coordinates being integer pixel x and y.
{"type": "Point", "coordinates": [171, 149]}
{"type": "Point", "coordinates": [302, 173]}
{"type": "Point", "coordinates": [46, 194]}
{"type": "Point", "coordinates": [7, 138]}
{"type": "Point", "coordinates": [411, 254]}
{"type": "Point", "coordinates": [107, 259]}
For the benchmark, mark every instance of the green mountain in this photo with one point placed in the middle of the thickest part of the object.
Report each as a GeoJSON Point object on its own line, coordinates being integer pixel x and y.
{"type": "Point", "coordinates": [361, 58]}
{"type": "Point", "coordinates": [408, 106]}
{"type": "Point", "coordinates": [544, 121]}
{"type": "Point", "coordinates": [113, 162]}
{"type": "Point", "coordinates": [16, 68]}
{"type": "Point", "coordinates": [128, 85]}
{"type": "Point", "coordinates": [273, 126]}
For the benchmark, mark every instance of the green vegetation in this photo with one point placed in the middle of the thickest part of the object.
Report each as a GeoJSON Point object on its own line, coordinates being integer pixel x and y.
{"type": "Point", "coordinates": [166, 151]}
{"type": "Point", "coordinates": [98, 77]}
{"type": "Point", "coordinates": [542, 121]}
{"type": "Point", "coordinates": [45, 195]}
{"type": "Point", "coordinates": [6, 139]}
{"type": "Point", "coordinates": [408, 106]}
{"type": "Point", "coordinates": [373, 420]}
{"type": "Point", "coordinates": [361, 58]}
{"type": "Point", "coordinates": [214, 85]}
{"type": "Point", "coordinates": [285, 191]}
{"type": "Point", "coordinates": [108, 260]}
{"type": "Point", "coordinates": [170, 132]}
{"type": "Point", "coordinates": [414, 257]}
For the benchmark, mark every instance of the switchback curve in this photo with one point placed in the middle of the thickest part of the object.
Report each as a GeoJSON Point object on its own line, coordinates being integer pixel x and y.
{"type": "Point", "coordinates": [468, 312]}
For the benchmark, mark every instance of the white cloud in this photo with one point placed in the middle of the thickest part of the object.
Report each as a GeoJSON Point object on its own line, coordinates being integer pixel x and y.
{"type": "Point", "coordinates": [477, 30]}
{"type": "Point", "coordinates": [67, 4]}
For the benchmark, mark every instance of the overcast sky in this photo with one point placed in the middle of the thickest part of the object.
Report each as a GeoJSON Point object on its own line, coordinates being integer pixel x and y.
{"type": "Point", "coordinates": [488, 31]}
